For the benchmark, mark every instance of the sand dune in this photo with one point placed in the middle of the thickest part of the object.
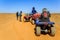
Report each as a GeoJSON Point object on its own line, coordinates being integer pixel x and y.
{"type": "Point", "coordinates": [12, 29]}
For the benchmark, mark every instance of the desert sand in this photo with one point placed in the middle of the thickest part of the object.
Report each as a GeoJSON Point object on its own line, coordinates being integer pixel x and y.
{"type": "Point", "coordinates": [13, 29]}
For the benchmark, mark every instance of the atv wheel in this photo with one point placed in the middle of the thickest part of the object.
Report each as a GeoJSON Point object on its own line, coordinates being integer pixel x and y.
{"type": "Point", "coordinates": [38, 31]}
{"type": "Point", "coordinates": [24, 20]}
{"type": "Point", "coordinates": [52, 31]}
{"type": "Point", "coordinates": [33, 22]}
{"type": "Point", "coordinates": [30, 19]}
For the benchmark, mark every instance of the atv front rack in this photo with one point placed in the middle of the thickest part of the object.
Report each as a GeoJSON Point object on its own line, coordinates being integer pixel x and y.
{"type": "Point", "coordinates": [41, 23]}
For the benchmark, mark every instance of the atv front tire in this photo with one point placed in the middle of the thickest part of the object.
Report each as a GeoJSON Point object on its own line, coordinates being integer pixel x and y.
{"type": "Point", "coordinates": [52, 31]}
{"type": "Point", "coordinates": [38, 30]}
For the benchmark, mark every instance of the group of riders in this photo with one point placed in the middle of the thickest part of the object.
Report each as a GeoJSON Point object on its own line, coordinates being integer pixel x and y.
{"type": "Point", "coordinates": [45, 15]}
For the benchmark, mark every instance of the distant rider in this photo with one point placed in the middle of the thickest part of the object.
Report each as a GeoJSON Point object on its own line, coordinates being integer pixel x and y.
{"type": "Point", "coordinates": [33, 10]}
{"type": "Point", "coordinates": [20, 15]}
{"type": "Point", "coordinates": [17, 15]}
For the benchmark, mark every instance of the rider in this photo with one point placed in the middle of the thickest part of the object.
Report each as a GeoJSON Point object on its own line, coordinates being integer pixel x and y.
{"type": "Point", "coordinates": [33, 10]}
{"type": "Point", "coordinates": [45, 15]}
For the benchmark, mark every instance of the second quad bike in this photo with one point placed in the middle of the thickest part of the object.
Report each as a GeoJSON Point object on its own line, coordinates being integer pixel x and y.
{"type": "Point", "coordinates": [34, 17]}
{"type": "Point", "coordinates": [44, 27]}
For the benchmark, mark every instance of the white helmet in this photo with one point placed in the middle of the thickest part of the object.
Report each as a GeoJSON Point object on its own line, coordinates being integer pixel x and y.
{"type": "Point", "coordinates": [44, 9]}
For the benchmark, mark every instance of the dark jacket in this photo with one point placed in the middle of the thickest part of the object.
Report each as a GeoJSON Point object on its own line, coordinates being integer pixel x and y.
{"type": "Point", "coordinates": [17, 14]}
{"type": "Point", "coordinates": [45, 19]}
{"type": "Point", "coordinates": [34, 11]}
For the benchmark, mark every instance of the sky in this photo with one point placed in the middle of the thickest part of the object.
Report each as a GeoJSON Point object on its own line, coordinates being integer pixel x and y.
{"type": "Point", "coordinates": [12, 6]}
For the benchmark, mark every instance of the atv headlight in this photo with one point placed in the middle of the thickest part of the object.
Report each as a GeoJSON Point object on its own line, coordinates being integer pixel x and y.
{"type": "Point", "coordinates": [49, 25]}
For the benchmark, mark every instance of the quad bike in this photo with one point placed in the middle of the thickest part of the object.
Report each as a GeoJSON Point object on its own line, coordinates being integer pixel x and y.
{"type": "Point", "coordinates": [34, 17]}
{"type": "Point", "coordinates": [44, 27]}
{"type": "Point", "coordinates": [27, 18]}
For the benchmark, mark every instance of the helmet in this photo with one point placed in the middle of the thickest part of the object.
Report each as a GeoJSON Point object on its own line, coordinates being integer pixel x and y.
{"type": "Point", "coordinates": [44, 9]}
{"type": "Point", "coordinates": [33, 8]}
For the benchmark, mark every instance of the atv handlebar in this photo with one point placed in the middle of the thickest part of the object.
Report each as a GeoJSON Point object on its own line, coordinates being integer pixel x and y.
{"type": "Point", "coordinates": [40, 23]}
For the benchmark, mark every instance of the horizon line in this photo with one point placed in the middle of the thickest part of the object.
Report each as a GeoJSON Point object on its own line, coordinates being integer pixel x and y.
{"type": "Point", "coordinates": [24, 12]}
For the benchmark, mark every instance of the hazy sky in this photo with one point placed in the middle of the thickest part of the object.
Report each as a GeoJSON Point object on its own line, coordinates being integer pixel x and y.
{"type": "Point", "coordinates": [26, 5]}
